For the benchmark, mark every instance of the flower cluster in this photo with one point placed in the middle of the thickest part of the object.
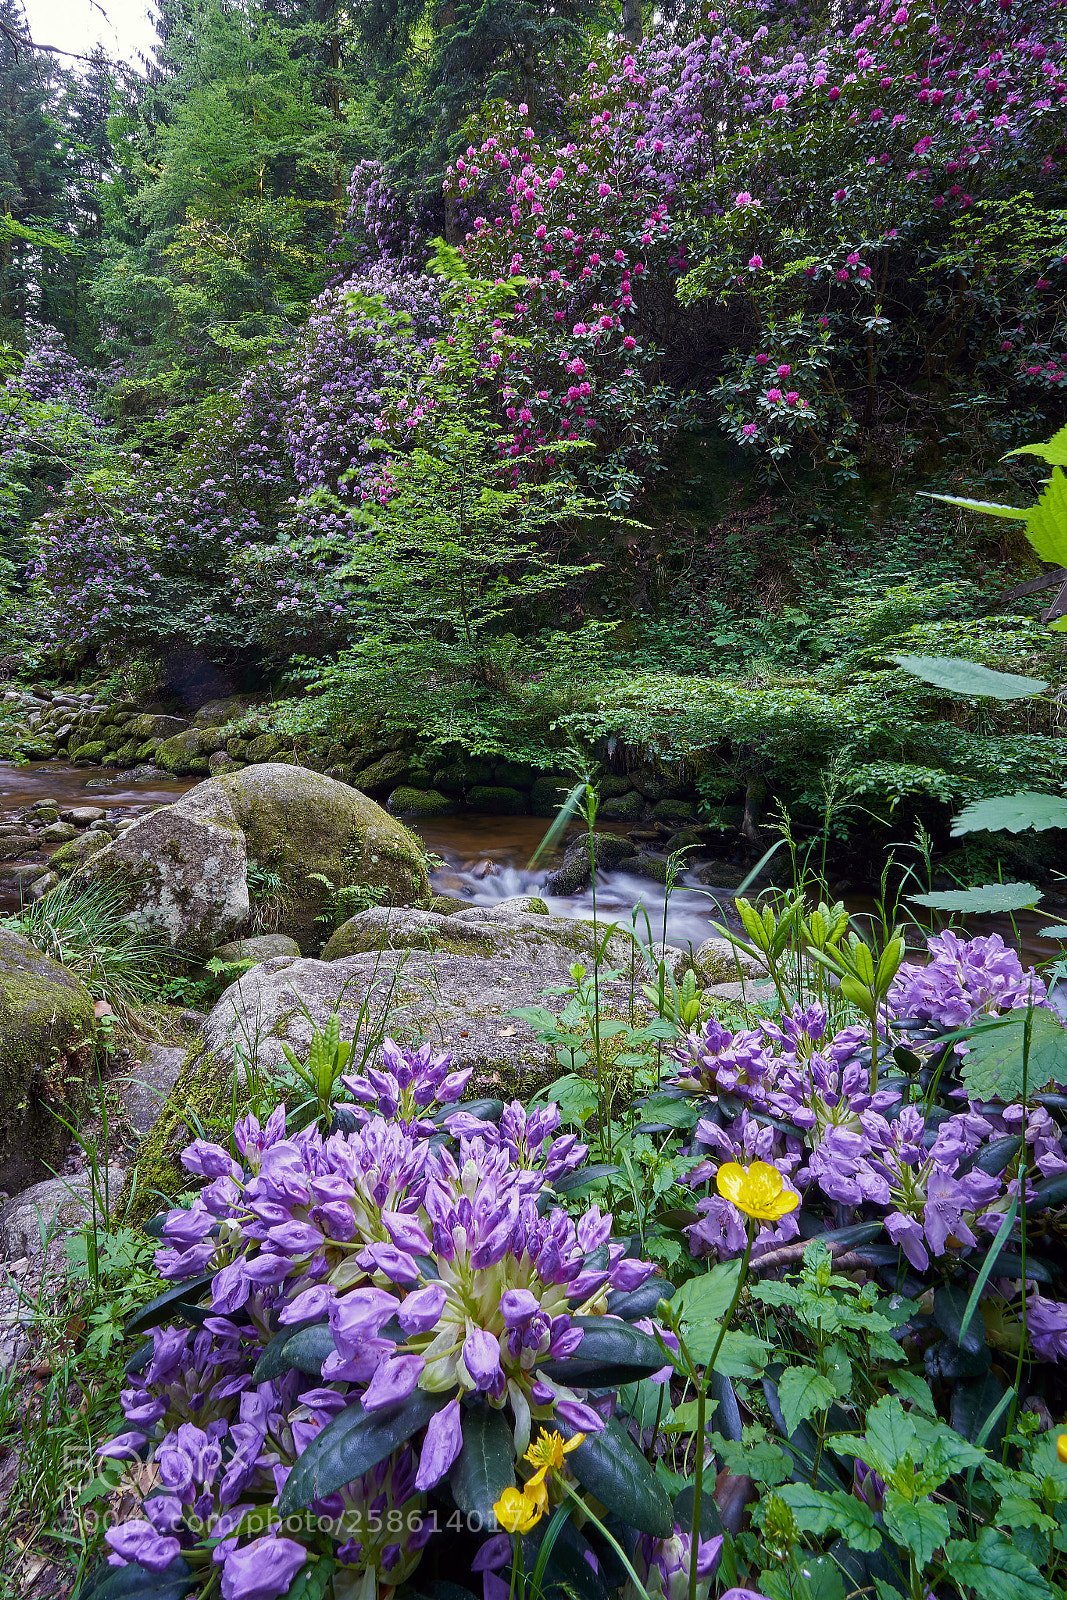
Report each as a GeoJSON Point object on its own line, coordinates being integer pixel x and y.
{"type": "Point", "coordinates": [435, 1272]}
{"type": "Point", "coordinates": [789, 1097]}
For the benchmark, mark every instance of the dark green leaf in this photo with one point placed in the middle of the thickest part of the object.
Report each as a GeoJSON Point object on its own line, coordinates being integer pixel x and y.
{"type": "Point", "coordinates": [584, 1175]}
{"type": "Point", "coordinates": [642, 1302]}
{"type": "Point", "coordinates": [610, 1465]}
{"type": "Point", "coordinates": [140, 1359]}
{"type": "Point", "coordinates": [134, 1583]}
{"type": "Point", "coordinates": [1048, 1192]}
{"type": "Point", "coordinates": [351, 1443]}
{"type": "Point", "coordinates": [994, 1157]}
{"type": "Point", "coordinates": [968, 677]}
{"type": "Point", "coordinates": [175, 1302]}
{"type": "Point", "coordinates": [485, 1466]}
{"type": "Point", "coordinates": [710, 1520]}
{"type": "Point", "coordinates": [973, 1402]}
{"type": "Point", "coordinates": [567, 1572]}
{"type": "Point", "coordinates": [950, 1306]}
{"type": "Point", "coordinates": [993, 1066]}
{"type": "Point", "coordinates": [484, 1110]}
{"type": "Point", "coordinates": [312, 1582]}
{"type": "Point", "coordinates": [945, 1362]}
{"type": "Point", "coordinates": [306, 1350]}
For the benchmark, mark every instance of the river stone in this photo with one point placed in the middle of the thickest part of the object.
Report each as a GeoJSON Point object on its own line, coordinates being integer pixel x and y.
{"type": "Point", "coordinates": [623, 808]}
{"type": "Point", "coordinates": [420, 803]}
{"type": "Point", "coordinates": [572, 874]}
{"type": "Point", "coordinates": [18, 844]}
{"type": "Point", "coordinates": [718, 962]}
{"type": "Point", "coordinates": [217, 712]}
{"type": "Point", "coordinates": [46, 1045]}
{"type": "Point", "coordinates": [181, 870]}
{"type": "Point", "coordinates": [263, 947]}
{"type": "Point", "coordinates": [506, 931]}
{"type": "Point", "coordinates": [53, 1205]}
{"type": "Point", "coordinates": [147, 726]}
{"type": "Point", "coordinates": [180, 753]}
{"type": "Point", "coordinates": [58, 832]}
{"type": "Point", "coordinates": [497, 800]}
{"type": "Point", "coordinates": [385, 773]}
{"type": "Point", "coordinates": [81, 816]}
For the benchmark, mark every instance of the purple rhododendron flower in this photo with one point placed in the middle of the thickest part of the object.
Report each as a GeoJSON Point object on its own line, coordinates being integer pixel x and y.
{"type": "Point", "coordinates": [138, 1541]}
{"type": "Point", "coordinates": [964, 978]}
{"type": "Point", "coordinates": [262, 1570]}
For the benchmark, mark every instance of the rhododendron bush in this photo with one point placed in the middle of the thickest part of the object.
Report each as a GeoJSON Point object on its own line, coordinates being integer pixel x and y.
{"type": "Point", "coordinates": [375, 1330]}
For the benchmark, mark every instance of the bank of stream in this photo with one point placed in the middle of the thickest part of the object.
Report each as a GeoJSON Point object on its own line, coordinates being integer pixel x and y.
{"type": "Point", "coordinates": [483, 859]}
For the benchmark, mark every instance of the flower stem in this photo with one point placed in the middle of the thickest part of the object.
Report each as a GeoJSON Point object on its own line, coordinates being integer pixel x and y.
{"type": "Point", "coordinates": [614, 1543]}
{"type": "Point", "coordinates": [702, 1396]}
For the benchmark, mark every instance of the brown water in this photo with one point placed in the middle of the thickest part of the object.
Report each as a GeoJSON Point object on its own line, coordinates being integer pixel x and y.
{"type": "Point", "coordinates": [466, 843]}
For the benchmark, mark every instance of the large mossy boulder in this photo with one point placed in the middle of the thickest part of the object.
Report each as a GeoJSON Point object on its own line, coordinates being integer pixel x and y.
{"type": "Point", "coordinates": [180, 870]}
{"type": "Point", "coordinates": [307, 827]}
{"type": "Point", "coordinates": [46, 1046]}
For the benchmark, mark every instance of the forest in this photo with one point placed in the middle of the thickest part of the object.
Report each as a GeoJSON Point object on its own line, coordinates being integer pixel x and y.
{"type": "Point", "coordinates": [624, 444]}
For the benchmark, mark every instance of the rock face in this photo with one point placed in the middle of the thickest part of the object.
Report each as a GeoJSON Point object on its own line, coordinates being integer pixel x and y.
{"type": "Point", "coordinates": [298, 822]}
{"type": "Point", "coordinates": [46, 1030]}
{"type": "Point", "coordinates": [181, 870]}
{"type": "Point", "coordinates": [263, 947]}
{"type": "Point", "coordinates": [484, 962]}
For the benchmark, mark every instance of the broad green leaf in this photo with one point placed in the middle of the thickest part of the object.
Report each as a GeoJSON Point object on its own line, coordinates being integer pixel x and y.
{"type": "Point", "coordinates": [134, 1583]}
{"type": "Point", "coordinates": [1046, 526]}
{"type": "Point", "coordinates": [1057, 932]}
{"type": "Point", "coordinates": [350, 1444]}
{"type": "Point", "coordinates": [742, 1355]}
{"type": "Point", "coordinates": [993, 1066]}
{"type": "Point", "coordinates": [969, 677]}
{"type": "Point", "coordinates": [818, 1513]}
{"type": "Point", "coordinates": [994, 1568]}
{"type": "Point", "coordinates": [485, 1466]}
{"type": "Point", "coordinates": [1016, 1512]}
{"type": "Point", "coordinates": [989, 508]}
{"type": "Point", "coordinates": [312, 1582]}
{"type": "Point", "coordinates": [644, 1402]}
{"type": "Point", "coordinates": [919, 1525]}
{"type": "Point", "coordinates": [306, 1350]}
{"type": "Point", "coordinates": [891, 1432]}
{"type": "Point", "coordinates": [1011, 813]}
{"type": "Point", "coordinates": [914, 1389]}
{"type": "Point", "coordinates": [707, 1299]}
{"type": "Point", "coordinates": [763, 1461]}
{"type": "Point", "coordinates": [1054, 450]}
{"type": "Point", "coordinates": [801, 1392]}
{"type": "Point", "coordinates": [611, 1466]}
{"type": "Point", "coordinates": [991, 897]}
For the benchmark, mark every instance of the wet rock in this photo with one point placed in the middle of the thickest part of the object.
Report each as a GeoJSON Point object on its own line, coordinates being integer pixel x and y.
{"type": "Point", "coordinates": [22, 873]}
{"type": "Point", "coordinates": [416, 804]}
{"type": "Point", "coordinates": [148, 726]}
{"type": "Point", "coordinates": [58, 832]}
{"type": "Point", "coordinates": [79, 849]}
{"type": "Point", "coordinates": [497, 800]}
{"type": "Point", "coordinates": [572, 875]}
{"type": "Point", "coordinates": [262, 947]}
{"type": "Point", "coordinates": [382, 775]}
{"type": "Point", "coordinates": [16, 845]}
{"type": "Point", "coordinates": [718, 961]}
{"type": "Point", "coordinates": [623, 808]}
{"type": "Point", "coordinates": [81, 816]}
{"type": "Point", "coordinates": [144, 1090]}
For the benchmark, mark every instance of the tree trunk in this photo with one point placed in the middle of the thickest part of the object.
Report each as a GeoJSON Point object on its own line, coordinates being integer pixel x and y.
{"type": "Point", "coordinates": [633, 30]}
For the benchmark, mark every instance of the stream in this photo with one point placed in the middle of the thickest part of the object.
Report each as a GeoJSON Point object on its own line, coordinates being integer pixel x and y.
{"type": "Point", "coordinates": [484, 860]}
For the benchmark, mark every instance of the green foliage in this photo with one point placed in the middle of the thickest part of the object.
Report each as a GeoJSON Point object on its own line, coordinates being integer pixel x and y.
{"type": "Point", "coordinates": [84, 929]}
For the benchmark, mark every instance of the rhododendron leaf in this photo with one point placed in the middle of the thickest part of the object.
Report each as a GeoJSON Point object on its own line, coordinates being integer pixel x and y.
{"type": "Point", "coordinates": [180, 1302]}
{"type": "Point", "coordinates": [567, 1569]}
{"type": "Point", "coordinates": [604, 1339]}
{"type": "Point", "coordinates": [352, 1443]}
{"type": "Point", "coordinates": [950, 1314]}
{"type": "Point", "coordinates": [485, 1466]}
{"type": "Point", "coordinates": [583, 1175]}
{"type": "Point", "coordinates": [969, 677]}
{"type": "Point", "coordinates": [993, 1066]}
{"type": "Point", "coordinates": [1054, 450]}
{"type": "Point", "coordinates": [990, 897]}
{"type": "Point", "coordinates": [612, 1468]}
{"type": "Point", "coordinates": [974, 1401]}
{"type": "Point", "coordinates": [132, 1582]}
{"type": "Point", "coordinates": [1011, 813]}
{"type": "Point", "coordinates": [305, 1349]}
{"type": "Point", "coordinates": [635, 1303]}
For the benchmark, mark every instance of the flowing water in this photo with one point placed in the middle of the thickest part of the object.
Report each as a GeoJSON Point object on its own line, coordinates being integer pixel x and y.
{"type": "Point", "coordinates": [484, 859]}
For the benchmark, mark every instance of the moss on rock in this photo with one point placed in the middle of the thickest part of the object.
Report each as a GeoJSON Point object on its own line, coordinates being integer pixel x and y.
{"type": "Point", "coordinates": [46, 1046]}
{"type": "Point", "coordinates": [204, 1083]}
{"type": "Point", "coordinates": [497, 800]}
{"type": "Point", "coordinates": [75, 851]}
{"type": "Point", "coordinates": [418, 803]}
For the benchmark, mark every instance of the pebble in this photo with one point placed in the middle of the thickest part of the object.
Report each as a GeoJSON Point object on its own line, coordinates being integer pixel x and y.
{"type": "Point", "coordinates": [82, 816]}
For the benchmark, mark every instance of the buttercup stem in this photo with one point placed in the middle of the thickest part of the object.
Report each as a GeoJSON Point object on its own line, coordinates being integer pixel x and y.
{"type": "Point", "coordinates": [614, 1543]}
{"type": "Point", "coordinates": [702, 1397]}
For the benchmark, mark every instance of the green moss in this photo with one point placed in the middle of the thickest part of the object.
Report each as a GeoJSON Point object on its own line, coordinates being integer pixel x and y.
{"type": "Point", "coordinates": [418, 803]}
{"type": "Point", "coordinates": [497, 800]}
{"type": "Point", "coordinates": [95, 750]}
{"type": "Point", "coordinates": [202, 1086]}
{"type": "Point", "coordinates": [75, 851]}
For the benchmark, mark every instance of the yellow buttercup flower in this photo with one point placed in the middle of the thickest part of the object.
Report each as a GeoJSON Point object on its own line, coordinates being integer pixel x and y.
{"type": "Point", "coordinates": [757, 1190]}
{"type": "Point", "coordinates": [549, 1449]}
{"type": "Point", "coordinates": [518, 1512]}
{"type": "Point", "coordinates": [1061, 1448]}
